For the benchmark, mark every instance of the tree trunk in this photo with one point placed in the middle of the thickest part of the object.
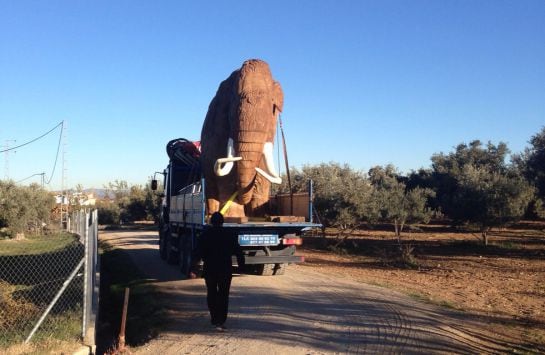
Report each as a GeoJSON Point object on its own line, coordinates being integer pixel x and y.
{"type": "Point", "coordinates": [398, 233]}
{"type": "Point", "coordinates": [484, 233]}
{"type": "Point", "coordinates": [344, 236]}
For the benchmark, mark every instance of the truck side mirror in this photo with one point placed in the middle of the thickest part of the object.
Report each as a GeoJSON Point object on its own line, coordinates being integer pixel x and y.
{"type": "Point", "coordinates": [154, 184]}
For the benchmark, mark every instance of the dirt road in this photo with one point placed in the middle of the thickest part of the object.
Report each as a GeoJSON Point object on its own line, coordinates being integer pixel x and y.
{"type": "Point", "coordinates": [302, 312]}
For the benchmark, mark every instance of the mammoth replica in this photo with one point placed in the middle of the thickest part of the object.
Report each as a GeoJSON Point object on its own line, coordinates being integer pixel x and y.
{"type": "Point", "coordinates": [237, 141]}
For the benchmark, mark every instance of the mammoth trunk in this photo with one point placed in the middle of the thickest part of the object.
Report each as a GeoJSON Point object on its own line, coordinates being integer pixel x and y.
{"type": "Point", "coordinates": [249, 145]}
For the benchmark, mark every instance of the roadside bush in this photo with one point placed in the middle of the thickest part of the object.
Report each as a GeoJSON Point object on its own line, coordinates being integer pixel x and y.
{"type": "Point", "coordinates": [108, 212]}
{"type": "Point", "coordinates": [12, 310]}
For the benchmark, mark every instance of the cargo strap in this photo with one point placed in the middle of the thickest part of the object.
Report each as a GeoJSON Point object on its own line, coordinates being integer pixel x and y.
{"type": "Point", "coordinates": [228, 203]}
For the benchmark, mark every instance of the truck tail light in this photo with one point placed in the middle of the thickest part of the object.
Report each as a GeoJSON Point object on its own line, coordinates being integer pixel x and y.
{"type": "Point", "coordinates": [292, 241]}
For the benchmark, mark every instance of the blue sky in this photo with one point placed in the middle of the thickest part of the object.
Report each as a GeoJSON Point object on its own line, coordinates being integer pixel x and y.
{"type": "Point", "coordinates": [365, 82]}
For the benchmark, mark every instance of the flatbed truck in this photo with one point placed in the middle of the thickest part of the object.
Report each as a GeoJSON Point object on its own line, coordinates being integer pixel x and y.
{"type": "Point", "coordinates": [268, 242]}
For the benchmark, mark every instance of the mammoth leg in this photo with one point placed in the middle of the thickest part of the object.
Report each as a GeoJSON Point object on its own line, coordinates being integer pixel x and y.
{"type": "Point", "coordinates": [259, 205]}
{"type": "Point", "coordinates": [212, 205]}
{"type": "Point", "coordinates": [212, 202]}
{"type": "Point", "coordinates": [212, 198]}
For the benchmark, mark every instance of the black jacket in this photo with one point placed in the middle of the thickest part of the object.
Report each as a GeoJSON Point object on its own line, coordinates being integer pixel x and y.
{"type": "Point", "coordinates": [216, 247]}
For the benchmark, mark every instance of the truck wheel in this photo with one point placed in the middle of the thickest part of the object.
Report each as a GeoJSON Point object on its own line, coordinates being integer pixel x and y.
{"type": "Point", "coordinates": [162, 246]}
{"type": "Point", "coordinates": [265, 269]}
{"type": "Point", "coordinates": [172, 256]}
{"type": "Point", "coordinates": [280, 269]}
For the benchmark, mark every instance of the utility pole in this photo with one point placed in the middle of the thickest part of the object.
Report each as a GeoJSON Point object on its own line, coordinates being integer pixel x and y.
{"type": "Point", "coordinates": [6, 157]}
{"type": "Point", "coordinates": [64, 194]}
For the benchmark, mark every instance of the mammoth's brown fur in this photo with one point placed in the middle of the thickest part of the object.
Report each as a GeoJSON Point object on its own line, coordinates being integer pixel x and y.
{"type": "Point", "coordinates": [245, 109]}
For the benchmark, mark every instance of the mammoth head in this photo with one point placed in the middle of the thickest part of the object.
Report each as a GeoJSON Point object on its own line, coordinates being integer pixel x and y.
{"type": "Point", "coordinates": [243, 117]}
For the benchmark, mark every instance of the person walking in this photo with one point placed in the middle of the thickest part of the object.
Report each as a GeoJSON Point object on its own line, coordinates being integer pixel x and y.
{"type": "Point", "coordinates": [216, 247]}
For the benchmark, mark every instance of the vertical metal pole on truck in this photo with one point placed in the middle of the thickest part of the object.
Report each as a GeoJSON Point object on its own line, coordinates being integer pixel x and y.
{"type": "Point", "coordinates": [310, 200]}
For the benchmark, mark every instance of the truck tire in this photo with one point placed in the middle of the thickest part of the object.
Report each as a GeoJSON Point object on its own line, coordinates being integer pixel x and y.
{"type": "Point", "coordinates": [172, 256]}
{"type": "Point", "coordinates": [162, 246]}
{"type": "Point", "coordinates": [280, 269]}
{"type": "Point", "coordinates": [185, 260]}
{"type": "Point", "coordinates": [265, 269]}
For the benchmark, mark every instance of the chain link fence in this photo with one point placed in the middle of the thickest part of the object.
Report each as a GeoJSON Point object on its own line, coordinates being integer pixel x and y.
{"type": "Point", "coordinates": [48, 287]}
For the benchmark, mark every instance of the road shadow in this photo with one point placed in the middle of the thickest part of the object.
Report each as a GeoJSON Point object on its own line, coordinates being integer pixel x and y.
{"type": "Point", "coordinates": [339, 319]}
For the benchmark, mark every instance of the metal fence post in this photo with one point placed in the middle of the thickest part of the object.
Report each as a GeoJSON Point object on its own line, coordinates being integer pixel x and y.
{"type": "Point", "coordinates": [91, 286]}
{"type": "Point", "coordinates": [85, 278]}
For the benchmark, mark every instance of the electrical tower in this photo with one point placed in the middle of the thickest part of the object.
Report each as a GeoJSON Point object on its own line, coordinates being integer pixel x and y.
{"type": "Point", "coordinates": [6, 157]}
{"type": "Point", "coordinates": [65, 200]}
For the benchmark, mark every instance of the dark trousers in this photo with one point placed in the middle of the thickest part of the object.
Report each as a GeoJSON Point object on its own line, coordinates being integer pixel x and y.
{"type": "Point", "coordinates": [217, 296]}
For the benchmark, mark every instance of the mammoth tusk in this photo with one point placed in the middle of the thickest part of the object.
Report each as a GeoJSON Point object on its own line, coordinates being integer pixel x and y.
{"type": "Point", "coordinates": [226, 169]}
{"type": "Point", "coordinates": [271, 175]}
{"type": "Point", "coordinates": [228, 161]}
{"type": "Point", "coordinates": [269, 160]}
{"type": "Point", "coordinates": [274, 179]}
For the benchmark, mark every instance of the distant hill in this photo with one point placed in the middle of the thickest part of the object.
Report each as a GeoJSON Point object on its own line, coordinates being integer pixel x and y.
{"type": "Point", "coordinates": [99, 193]}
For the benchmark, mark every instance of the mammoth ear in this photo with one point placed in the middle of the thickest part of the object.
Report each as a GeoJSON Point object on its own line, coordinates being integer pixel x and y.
{"type": "Point", "coordinates": [278, 97]}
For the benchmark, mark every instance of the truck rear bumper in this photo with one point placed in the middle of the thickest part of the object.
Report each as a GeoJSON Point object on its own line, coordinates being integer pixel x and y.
{"type": "Point", "coordinates": [253, 260]}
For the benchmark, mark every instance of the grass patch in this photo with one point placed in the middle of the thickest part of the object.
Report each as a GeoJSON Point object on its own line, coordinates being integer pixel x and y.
{"type": "Point", "coordinates": [49, 346]}
{"type": "Point", "coordinates": [146, 313]}
{"type": "Point", "coordinates": [382, 284]}
{"type": "Point", "coordinates": [447, 304]}
{"type": "Point", "coordinates": [419, 297]}
{"type": "Point", "coordinates": [36, 244]}
{"type": "Point", "coordinates": [427, 299]}
{"type": "Point", "coordinates": [19, 316]}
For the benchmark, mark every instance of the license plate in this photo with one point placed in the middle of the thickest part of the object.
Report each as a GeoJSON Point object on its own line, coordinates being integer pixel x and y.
{"type": "Point", "coordinates": [257, 239]}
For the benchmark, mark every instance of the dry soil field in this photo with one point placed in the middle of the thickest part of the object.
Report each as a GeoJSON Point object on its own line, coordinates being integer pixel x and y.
{"type": "Point", "coordinates": [503, 282]}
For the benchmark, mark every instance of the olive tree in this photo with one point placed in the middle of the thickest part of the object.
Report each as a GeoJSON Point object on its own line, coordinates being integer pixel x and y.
{"type": "Point", "coordinates": [24, 208]}
{"type": "Point", "coordinates": [490, 199]}
{"type": "Point", "coordinates": [477, 186]}
{"type": "Point", "coordinates": [342, 195]}
{"type": "Point", "coordinates": [128, 203]}
{"type": "Point", "coordinates": [531, 163]}
{"type": "Point", "coordinates": [448, 167]}
{"type": "Point", "coordinates": [396, 203]}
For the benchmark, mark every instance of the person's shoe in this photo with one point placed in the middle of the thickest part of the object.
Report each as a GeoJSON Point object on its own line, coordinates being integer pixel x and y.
{"type": "Point", "coordinates": [220, 328]}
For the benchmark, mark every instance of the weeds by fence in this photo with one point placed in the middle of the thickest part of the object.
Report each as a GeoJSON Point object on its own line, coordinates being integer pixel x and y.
{"type": "Point", "coordinates": [45, 292]}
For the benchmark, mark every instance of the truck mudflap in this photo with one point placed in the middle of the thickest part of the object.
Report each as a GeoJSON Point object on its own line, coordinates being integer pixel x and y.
{"type": "Point", "coordinates": [264, 259]}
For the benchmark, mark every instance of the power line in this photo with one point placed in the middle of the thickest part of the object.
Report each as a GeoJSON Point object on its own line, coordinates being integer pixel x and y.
{"type": "Point", "coordinates": [42, 174]}
{"type": "Point", "coordinates": [57, 156]}
{"type": "Point", "coordinates": [34, 140]}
